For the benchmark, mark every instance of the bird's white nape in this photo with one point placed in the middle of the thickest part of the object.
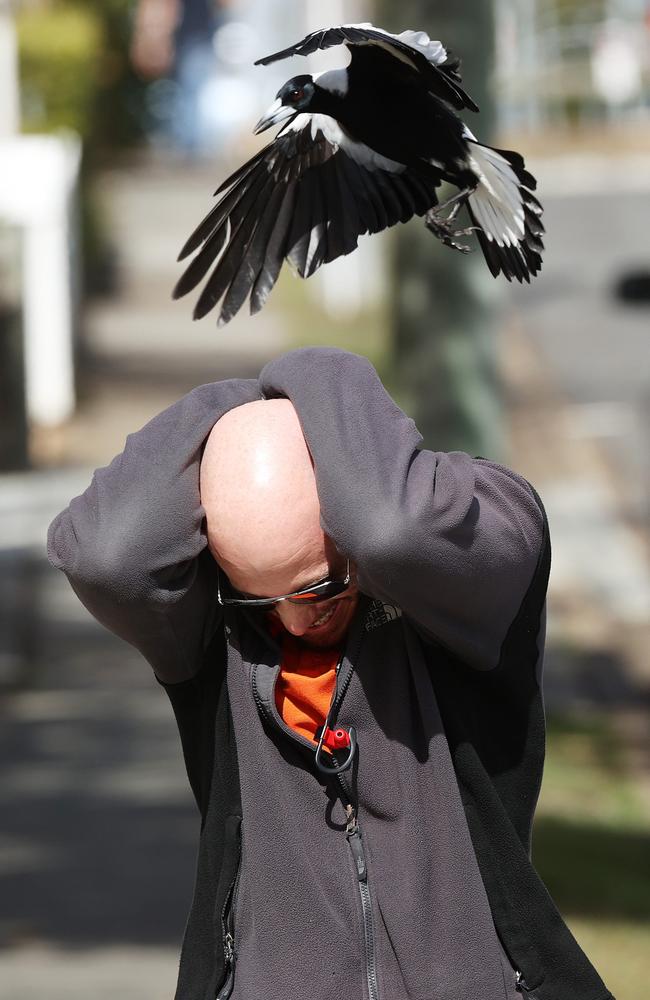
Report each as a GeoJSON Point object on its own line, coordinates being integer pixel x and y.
{"type": "Point", "coordinates": [333, 80]}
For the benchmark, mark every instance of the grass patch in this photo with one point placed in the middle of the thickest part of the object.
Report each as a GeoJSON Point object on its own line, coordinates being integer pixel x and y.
{"type": "Point", "coordinates": [591, 845]}
{"type": "Point", "coordinates": [586, 775]}
{"type": "Point", "coordinates": [619, 950]}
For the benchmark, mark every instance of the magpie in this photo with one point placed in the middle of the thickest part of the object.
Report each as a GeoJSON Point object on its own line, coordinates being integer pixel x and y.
{"type": "Point", "coordinates": [360, 149]}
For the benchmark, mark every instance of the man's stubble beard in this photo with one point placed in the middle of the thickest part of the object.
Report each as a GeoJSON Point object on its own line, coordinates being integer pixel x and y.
{"type": "Point", "coordinates": [339, 630]}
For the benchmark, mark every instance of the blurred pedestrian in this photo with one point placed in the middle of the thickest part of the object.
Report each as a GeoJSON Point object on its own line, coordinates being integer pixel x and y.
{"type": "Point", "coordinates": [176, 39]}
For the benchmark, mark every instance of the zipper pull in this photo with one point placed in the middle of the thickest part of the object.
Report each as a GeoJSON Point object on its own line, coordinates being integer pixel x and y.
{"type": "Point", "coordinates": [353, 834]}
{"type": "Point", "coordinates": [350, 819]}
{"type": "Point", "coordinates": [333, 739]}
{"type": "Point", "coordinates": [520, 985]}
{"type": "Point", "coordinates": [225, 990]}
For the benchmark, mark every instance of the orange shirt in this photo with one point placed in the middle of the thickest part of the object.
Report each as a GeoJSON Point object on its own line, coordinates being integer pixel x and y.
{"type": "Point", "coordinates": [305, 684]}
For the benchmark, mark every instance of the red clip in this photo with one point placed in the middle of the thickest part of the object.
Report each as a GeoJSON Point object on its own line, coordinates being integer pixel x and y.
{"type": "Point", "coordinates": [335, 739]}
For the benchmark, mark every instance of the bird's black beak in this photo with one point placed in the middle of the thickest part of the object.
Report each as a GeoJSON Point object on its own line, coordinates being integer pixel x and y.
{"type": "Point", "coordinates": [278, 112]}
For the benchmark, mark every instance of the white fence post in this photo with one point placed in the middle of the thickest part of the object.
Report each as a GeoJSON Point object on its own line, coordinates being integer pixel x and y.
{"type": "Point", "coordinates": [38, 180]}
{"type": "Point", "coordinates": [9, 100]}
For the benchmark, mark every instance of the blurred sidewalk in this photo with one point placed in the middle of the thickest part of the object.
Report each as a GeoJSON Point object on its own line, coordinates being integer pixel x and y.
{"type": "Point", "coordinates": [99, 830]}
{"type": "Point", "coordinates": [575, 360]}
{"type": "Point", "coordinates": [143, 350]}
{"type": "Point", "coordinates": [598, 624]}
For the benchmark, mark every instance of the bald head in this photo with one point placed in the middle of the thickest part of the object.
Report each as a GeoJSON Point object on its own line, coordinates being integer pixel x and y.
{"type": "Point", "coordinates": [258, 489]}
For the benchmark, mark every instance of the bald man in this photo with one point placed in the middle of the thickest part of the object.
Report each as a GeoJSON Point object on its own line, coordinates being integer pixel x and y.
{"type": "Point", "coordinates": [350, 630]}
{"type": "Point", "coordinates": [258, 489]}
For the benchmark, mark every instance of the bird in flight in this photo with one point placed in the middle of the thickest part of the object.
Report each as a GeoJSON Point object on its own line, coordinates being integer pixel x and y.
{"type": "Point", "coordinates": [361, 149]}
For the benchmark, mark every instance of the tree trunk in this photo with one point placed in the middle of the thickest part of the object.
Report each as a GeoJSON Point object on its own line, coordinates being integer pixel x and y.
{"type": "Point", "coordinates": [13, 419]}
{"type": "Point", "coordinates": [443, 303]}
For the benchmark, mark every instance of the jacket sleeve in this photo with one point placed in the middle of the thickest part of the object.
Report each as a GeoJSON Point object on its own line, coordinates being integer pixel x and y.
{"type": "Point", "coordinates": [132, 546]}
{"type": "Point", "coordinates": [453, 541]}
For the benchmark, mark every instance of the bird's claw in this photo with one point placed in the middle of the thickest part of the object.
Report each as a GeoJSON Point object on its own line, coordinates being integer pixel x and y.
{"type": "Point", "coordinates": [442, 228]}
{"type": "Point", "coordinates": [448, 242]}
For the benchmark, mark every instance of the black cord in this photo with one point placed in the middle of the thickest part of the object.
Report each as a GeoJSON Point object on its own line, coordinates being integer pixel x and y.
{"type": "Point", "coordinates": [335, 768]}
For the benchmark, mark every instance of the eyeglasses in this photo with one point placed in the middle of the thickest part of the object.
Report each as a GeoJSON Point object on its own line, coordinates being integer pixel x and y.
{"type": "Point", "coordinates": [317, 592]}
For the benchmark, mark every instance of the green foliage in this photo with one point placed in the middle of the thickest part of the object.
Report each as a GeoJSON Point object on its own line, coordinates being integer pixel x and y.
{"type": "Point", "coordinates": [60, 50]}
{"type": "Point", "coordinates": [120, 114]}
{"type": "Point", "coordinates": [75, 72]}
{"type": "Point", "coordinates": [75, 75]}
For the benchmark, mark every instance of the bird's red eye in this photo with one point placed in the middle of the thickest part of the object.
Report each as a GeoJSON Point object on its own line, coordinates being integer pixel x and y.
{"type": "Point", "coordinates": [297, 94]}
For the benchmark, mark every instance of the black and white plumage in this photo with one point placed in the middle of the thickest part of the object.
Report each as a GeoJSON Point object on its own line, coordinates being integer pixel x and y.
{"type": "Point", "coordinates": [361, 148]}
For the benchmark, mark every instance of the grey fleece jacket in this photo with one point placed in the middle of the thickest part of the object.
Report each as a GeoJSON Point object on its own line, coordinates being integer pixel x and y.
{"type": "Point", "coordinates": [445, 548]}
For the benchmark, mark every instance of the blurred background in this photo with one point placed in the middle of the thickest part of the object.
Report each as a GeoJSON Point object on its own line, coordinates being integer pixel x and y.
{"type": "Point", "coordinates": [118, 119]}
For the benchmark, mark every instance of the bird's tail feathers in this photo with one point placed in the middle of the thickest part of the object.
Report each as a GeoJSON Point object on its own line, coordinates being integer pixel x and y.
{"type": "Point", "coordinates": [506, 212]}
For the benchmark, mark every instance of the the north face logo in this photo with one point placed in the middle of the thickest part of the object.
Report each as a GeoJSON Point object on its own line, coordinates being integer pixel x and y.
{"type": "Point", "coordinates": [380, 614]}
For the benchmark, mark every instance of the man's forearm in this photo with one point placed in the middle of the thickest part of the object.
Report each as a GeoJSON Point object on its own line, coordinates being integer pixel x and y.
{"type": "Point", "coordinates": [130, 545]}
{"type": "Point", "coordinates": [453, 541]}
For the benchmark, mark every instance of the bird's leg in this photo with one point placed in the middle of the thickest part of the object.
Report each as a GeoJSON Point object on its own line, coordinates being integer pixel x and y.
{"type": "Point", "coordinates": [442, 227]}
{"type": "Point", "coordinates": [457, 201]}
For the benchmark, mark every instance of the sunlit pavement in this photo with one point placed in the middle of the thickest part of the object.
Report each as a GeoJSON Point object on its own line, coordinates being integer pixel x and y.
{"type": "Point", "coordinates": [596, 346]}
{"type": "Point", "coordinates": [580, 402]}
{"type": "Point", "coordinates": [99, 829]}
{"type": "Point", "coordinates": [108, 973]}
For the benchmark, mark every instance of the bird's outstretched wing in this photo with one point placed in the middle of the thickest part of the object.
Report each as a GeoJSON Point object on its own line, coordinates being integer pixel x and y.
{"type": "Point", "coordinates": [306, 198]}
{"type": "Point", "coordinates": [439, 68]}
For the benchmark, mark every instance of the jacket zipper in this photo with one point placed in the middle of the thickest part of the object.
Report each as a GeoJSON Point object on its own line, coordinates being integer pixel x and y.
{"type": "Point", "coordinates": [355, 840]}
{"type": "Point", "coordinates": [352, 829]}
{"type": "Point", "coordinates": [353, 835]}
{"type": "Point", "coordinates": [228, 930]}
{"type": "Point", "coordinates": [521, 987]}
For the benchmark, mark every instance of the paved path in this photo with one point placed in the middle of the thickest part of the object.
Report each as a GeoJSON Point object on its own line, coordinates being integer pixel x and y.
{"type": "Point", "coordinates": [98, 831]}
{"type": "Point", "coordinates": [576, 363]}
{"type": "Point", "coordinates": [597, 347]}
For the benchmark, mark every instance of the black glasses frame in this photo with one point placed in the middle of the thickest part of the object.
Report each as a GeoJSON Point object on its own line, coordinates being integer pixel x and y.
{"type": "Point", "coordinates": [324, 590]}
